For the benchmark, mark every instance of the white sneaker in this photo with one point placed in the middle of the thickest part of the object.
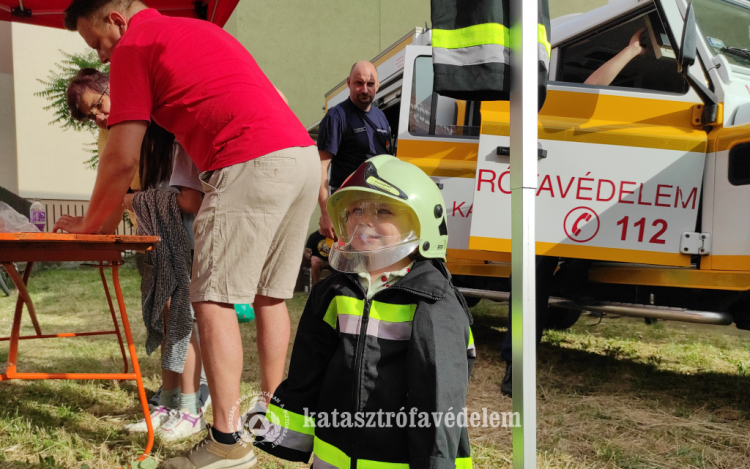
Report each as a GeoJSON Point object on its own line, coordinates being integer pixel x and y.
{"type": "Point", "coordinates": [159, 415]}
{"type": "Point", "coordinates": [181, 424]}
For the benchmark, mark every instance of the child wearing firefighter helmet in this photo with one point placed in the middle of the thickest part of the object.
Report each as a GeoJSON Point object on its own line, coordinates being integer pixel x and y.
{"type": "Point", "coordinates": [381, 361]}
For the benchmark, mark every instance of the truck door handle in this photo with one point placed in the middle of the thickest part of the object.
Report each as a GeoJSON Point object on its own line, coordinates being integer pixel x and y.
{"type": "Point", "coordinates": [505, 151]}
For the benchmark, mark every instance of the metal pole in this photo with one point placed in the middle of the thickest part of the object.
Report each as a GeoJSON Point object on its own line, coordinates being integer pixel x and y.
{"type": "Point", "coordinates": [523, 184]}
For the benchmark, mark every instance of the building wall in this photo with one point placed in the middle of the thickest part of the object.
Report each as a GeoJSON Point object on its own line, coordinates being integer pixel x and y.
{"type": "Point", "coordinates": [50, 160]}
{"type": "Point", "coordinates": [8, 167]}
{"type": "Point", "coordinates": [306, 47]}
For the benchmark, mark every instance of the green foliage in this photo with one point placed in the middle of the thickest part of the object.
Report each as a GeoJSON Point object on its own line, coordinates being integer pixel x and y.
{"type": "Point", "coordinates": [55, 86]}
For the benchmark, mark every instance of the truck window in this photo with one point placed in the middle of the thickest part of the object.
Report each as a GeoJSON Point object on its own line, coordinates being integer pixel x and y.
{"type": "Point", "coordinates": [655, 69]}
{"type": "Point", "coordinates": [432, 114]}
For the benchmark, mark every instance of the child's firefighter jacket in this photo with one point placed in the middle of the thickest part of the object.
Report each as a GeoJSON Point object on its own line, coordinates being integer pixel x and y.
{"type": "Point", "coordinates": [401, 358]}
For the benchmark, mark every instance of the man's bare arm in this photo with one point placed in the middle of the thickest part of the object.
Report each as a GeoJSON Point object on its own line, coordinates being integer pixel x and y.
{"type": "Point", "coordinates": [112, 222]}
{"type": "Point", "coordinates": [606, 74]}
{"type": "Point", "coordinates": [282, 96]}
{"type": "Point", "coordinates": [326, 226]}
{"type": "Point", "coordinates": [117, 166]}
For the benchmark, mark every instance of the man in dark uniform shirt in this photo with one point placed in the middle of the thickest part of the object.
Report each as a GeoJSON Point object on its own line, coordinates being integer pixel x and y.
{"type": "Point", "coordinates": [349, 134]}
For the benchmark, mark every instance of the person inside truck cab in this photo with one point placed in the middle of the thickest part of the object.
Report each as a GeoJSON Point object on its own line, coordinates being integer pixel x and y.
{"type": "Point", "coordinates": [350, 133]}
{"type": "Point", "coordinates": [605, 74]}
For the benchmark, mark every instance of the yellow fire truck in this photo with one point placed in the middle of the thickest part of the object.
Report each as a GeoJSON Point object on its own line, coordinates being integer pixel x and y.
{"type": "Point", "coordinates": [645, 179]}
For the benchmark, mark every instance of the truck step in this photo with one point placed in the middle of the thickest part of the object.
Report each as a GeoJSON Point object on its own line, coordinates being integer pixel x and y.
{"type": "Point", "coordinates": [621, 309]}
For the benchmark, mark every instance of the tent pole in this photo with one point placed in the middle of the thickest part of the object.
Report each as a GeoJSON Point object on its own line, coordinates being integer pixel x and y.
{"type": "Point", "coordinates": [523, 183]}
{"type": "Point", "coordinates": [213, 13]}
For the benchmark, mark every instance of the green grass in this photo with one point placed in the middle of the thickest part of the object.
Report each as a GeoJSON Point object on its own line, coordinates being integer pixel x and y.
{"type": "Point", "coordinates": [615, 394]}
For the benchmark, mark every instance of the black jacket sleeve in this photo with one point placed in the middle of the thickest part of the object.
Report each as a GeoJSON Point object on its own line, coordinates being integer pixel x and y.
{"type": "Point", "coordinates": [286, 432]}
{"type": "Point", "coordinates": [438, 382]}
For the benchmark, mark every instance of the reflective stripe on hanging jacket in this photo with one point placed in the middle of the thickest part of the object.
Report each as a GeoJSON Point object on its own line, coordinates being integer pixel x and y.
{"type": "Point", "coordinates": [471, 49]}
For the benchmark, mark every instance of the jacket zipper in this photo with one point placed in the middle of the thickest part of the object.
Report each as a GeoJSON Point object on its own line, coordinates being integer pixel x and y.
{"type": "Point", "coordinates": [358, 368]}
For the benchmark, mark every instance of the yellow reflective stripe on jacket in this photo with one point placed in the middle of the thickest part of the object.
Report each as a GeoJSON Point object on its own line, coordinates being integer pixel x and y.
{"type": "Point", "coordinates": [342, 303]}
{"type": "Point", "coordinates": [330, 454]}
{"type": "Point", "coordinates": [392, 313]}
{"type": "Point", "coordinates": [335, 457]}
{"type": "Point", "coordinates": [380, 311]}
{"type": "Point", "coordinates": [365, 464]}
{"type": "Point", "coordinates": [543, 39]}
{"type": "Point", "coordinates": [481, 34]}
{"type": "Point", "coordinates": [475, 35]}
{"type": "Point", "coordinates": [471, 337]}
{"type": "Point", "coordinates": [291, 420]}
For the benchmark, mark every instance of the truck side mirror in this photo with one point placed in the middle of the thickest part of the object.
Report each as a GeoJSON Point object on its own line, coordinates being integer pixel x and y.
{"type": "Point", "coordinates": [685, 58]}
{"type": "Point", "coordinates": [688, 49]}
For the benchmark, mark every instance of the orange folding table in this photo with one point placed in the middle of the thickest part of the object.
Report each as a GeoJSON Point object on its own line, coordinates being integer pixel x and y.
{"type": "Point", "coordinates": [105, 252]}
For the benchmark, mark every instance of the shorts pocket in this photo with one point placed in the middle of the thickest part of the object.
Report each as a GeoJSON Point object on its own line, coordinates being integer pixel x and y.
{"type": "Point", "coordinates": [214, 180]}
{"type": "Point", "coordinates": [274, 161]}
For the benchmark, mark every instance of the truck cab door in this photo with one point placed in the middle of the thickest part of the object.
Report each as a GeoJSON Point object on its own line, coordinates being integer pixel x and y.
{"type": "Point", "coordinates": [440, 135]}
{"type": "Point", "coordinates": [621, 165]}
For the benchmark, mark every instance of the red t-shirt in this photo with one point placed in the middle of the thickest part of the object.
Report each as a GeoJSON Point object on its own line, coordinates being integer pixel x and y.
{"type": "Point", "coordinates": [198, 82]}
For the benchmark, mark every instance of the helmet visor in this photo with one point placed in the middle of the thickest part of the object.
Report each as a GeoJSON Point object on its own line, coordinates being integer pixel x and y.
{"type": "Point", "coordinates": [374, 232]}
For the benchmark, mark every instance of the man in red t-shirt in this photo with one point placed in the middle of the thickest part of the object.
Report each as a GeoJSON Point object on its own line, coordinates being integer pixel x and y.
{"type": "Point", "coordinates": [260, 172]}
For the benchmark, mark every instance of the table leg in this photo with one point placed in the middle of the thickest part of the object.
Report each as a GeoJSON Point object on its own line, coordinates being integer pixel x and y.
{"type": "Point", "coordinates": [23, 294]}
{"type": "Point", "coordinates": [136, 367]}
{"type": "Point", "coordinates": [30, 304]}
{"type": "Point", "coordinates": [23, 298]}
{"type": "Point", "coordinates": [114, 318]}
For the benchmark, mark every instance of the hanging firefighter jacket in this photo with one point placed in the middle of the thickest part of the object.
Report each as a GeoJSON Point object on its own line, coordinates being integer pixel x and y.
{"type": "Point", "coordinates": [471, 49]}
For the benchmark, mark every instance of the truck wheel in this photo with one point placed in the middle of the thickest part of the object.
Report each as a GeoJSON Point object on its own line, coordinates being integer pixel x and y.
{"type": "Point", "coordinates": [562, 318]}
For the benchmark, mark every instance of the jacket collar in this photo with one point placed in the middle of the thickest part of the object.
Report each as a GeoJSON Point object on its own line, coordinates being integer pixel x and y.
{"type": "Point", "coordinates": [427, 278]}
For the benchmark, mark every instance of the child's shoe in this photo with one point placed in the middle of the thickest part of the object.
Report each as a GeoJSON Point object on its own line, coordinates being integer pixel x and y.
{"type": "Point", "coordinates": [181, 424]}
{"type": "Point", "coordinates": [159, 415]}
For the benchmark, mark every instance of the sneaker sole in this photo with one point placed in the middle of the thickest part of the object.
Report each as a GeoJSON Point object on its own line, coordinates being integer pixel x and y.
{"type": "Point", "coordinates": [245, 463]}
{"type": "Point", "coordinates": [132, 430]}
{"type": "Point", "coordinates": [141, 430]}
{"type": "Point", "coordinates": [172, 437]}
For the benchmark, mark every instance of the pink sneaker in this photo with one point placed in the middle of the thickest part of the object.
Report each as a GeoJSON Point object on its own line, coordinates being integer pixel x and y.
{"type": "Point", "coordinates": [181, 424]}
{"type": "Point", "coordinates": [159, 415]}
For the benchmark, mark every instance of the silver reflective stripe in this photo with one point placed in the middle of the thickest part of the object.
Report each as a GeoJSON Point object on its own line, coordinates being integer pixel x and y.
{"type": "Point", "coordinates": [389, 330]}
{"type": "Point", "coordinates": [543, 56]}
{"type": "Point", "coordinates": [278, 435]}
{"type": "Point", "coordinates": [320, 464]}
{"type": "Point", "coordinates": [486, 53]}
{"type": "Point", "coordinates": [349, 324]}
{"type": "Point", "coordinates": [471, 351]}
{"type": "Point", "coordinates": [297, 440]}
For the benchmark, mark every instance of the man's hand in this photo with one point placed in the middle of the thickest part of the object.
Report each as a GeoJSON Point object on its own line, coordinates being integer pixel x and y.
{"type": "Point", "coordinates": [69, 224]}
{"type": "Point", "coordinates": [326, 226]}
{"type": "Point", "coordinates": [635, 42]}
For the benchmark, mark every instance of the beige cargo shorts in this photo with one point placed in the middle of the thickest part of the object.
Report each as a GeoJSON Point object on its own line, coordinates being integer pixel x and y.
{"type": "Point", "coordinates": [251, 228]}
